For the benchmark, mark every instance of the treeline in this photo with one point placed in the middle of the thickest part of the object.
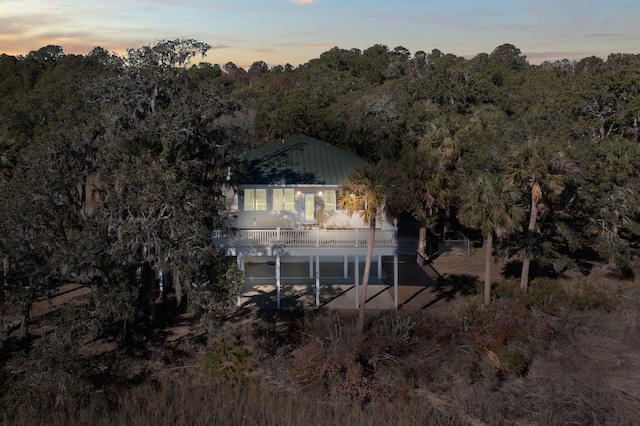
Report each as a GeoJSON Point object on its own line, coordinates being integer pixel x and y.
{"type": "Point", "coordinates": [112, 166]}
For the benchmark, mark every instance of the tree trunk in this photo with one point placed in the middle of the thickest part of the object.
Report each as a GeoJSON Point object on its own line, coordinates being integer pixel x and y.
{"type": "Point", "coordinates": [488, 260]}
{"type": "Point", "coordinates": [365, 277]}
{"type": "Point", "coordinates": [422, 242]}
{"type": "Point", "coordinates": [177, 287]}
{"type": "Point", "coordinates": [5, 268]}
{"type": "Point", "coordinates": [5, 277]}
{"type": "Point", "coordinates": [447, 222]}
{"type": "Point", "coordinates": [151, 291]}
{"type": "Point", "coordinates": [528, 248]}
{"type": "Point", "coordinates": [24, 324]}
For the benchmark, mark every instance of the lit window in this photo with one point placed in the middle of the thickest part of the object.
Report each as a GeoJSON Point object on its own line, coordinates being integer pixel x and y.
{"type": "Point", "coordinates": [278, 199]}
{"type": "Point", "coordinates": [283, 199]}
{"type": "Point", "coordinates": [255, 199]}
{"type": "Point", "coordinates": [261, 199]}
{"type": "Point", "coordinates": [249, 199]}
{"type": "Point", "coordinates": [289, 198]}
{"type": "Point", "coordinates": [330, 200]}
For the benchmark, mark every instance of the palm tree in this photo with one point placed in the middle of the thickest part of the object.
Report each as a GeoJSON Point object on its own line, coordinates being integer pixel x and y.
{"type": "Point", "coordinates": [535, 164]}
{"type": "Point", "coordinates": [490, 204]}
{"type": "Point", "coordinates": [443, 135]}
{"type": "Point", "coordinates": [364, 192]}
{"type": "Point", "coordinates": [423, 178]}
{"type": "Point", "coordinates": [443, 138]}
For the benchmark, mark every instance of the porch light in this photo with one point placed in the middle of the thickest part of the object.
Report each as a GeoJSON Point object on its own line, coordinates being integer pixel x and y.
{"type": "Point", "coordinates": [319, 193]}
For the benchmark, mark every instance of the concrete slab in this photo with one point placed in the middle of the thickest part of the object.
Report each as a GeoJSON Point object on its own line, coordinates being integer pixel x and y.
{"type": "Point", "coordinates": [303, 296]}
{"type": "Point", "coordinates": [431, 287]}
{"type": "Point", "coordinates": [336, 292]}
{"type": "Point", "coordinates": [438, 286]}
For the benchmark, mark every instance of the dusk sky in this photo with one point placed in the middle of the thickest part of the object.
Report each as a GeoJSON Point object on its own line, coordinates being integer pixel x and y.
{"type": "Point", "coordinates": [295, 31]}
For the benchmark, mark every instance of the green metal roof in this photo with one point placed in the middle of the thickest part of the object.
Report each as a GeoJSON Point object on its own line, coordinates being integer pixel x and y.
{"type": "Point", "coordinates": [300, 160]}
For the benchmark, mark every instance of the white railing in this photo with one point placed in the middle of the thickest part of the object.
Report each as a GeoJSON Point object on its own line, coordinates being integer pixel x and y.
{"type": "Point", "coordinates": [314, 237]}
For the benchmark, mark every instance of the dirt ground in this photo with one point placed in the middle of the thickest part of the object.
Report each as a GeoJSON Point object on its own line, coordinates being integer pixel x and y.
{"type": "Point", "coordinates": [445, 282]}
{"type": "Point", "coordinates": [439, 287]}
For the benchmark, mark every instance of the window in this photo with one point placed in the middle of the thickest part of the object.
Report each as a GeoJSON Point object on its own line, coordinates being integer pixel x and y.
{"type": "Point", "coordinates": [283, 199]}
{"type": "Point", "coordinates": [255, 199]}
{"type": "Point", "coordinates": [261, 199]}
{"type": "Point", "coordinates": [309, 207]}
{"type": "Point", "coordinates": [330, 200]}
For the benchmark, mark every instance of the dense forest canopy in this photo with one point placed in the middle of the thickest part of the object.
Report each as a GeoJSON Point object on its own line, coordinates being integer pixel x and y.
{"type": "Point", "coordinates": [111, 166]}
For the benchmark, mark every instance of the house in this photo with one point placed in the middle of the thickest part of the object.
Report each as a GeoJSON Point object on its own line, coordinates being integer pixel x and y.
{"type": "Point", "coordinates": [287, 210]}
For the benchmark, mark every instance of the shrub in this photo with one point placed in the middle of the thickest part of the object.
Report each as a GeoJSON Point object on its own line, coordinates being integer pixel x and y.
{"type": "Point", "coordinates": [516, 361]}
{"type": "Point", "coordinates": [229, 358]}
{"type": "Point", "coordinates": [504, 321]}
{"type": "Point", "coordinates": [506, 289]}
{"type": "Point", "coordinates": [466, 363]}
{"type": "Point", "coordinates": [405, 375]}
{"type": "Point", "coordinates": [396, 329]}
{"type": "Point", "coordinates": [51, 376]}
{"type": "Point", "coordinates": [545, 294]}
{"type": "Point", "coordinates": [587, 298]}
{"type": "Point", "coordinates": [490, 374]}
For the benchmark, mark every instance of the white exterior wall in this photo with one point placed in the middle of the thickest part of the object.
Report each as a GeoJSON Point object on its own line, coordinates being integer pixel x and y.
{"type": "Point", "coordinates": [270, 219]}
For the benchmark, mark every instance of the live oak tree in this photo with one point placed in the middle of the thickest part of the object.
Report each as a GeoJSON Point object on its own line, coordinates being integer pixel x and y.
{"type": "Point", "coordinates": [166, 151]}
{"type": "Point", "coordinates": [41, 205]}
{"type": "Point", "coordinates": [7, 163]}
{"type": "Point", "coordinates": [614, 199]}
{"type": "Point", "coordinates": [119, 170]}
{"type": "Point", "coordinates": [7, 158]}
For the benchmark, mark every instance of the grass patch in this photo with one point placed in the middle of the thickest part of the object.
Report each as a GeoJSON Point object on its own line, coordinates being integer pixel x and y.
{"type": "Point", "coordinates": [557, 355]}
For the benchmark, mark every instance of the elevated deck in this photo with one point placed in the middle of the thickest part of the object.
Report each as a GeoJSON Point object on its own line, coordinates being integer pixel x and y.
{"type": "Point", "coordinates": [350, 244]}
{"type": "Point", "coordinates": [304, 242]}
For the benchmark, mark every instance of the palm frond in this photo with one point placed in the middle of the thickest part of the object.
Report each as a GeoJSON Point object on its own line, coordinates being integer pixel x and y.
{"type": "Point", "coordinates": [364, 192]}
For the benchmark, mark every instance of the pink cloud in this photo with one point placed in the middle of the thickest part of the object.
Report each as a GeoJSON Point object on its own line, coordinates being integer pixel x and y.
{"type": "Point", "coordinates": [304, 1]}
